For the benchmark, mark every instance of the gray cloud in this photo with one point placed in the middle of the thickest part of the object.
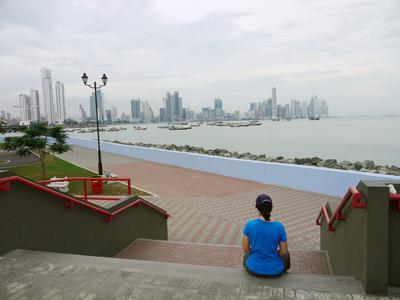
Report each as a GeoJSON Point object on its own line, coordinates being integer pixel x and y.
{"type": "Point", "coordinates": [345, 51]}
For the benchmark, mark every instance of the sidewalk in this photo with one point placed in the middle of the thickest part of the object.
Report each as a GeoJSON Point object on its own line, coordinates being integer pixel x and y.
{"type": "Point", "coordinates": [209, 208]}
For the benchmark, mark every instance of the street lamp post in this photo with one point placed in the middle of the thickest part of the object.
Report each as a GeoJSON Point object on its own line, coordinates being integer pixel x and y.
{"type": "Point", "coordinates": [95, 87]}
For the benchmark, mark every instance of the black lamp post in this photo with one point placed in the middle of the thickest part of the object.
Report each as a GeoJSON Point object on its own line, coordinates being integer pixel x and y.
{"type": "Point", "coordinates": [95, 87]}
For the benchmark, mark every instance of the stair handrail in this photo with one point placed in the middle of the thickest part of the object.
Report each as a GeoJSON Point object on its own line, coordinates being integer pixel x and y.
{"type": "Point", "coordinates": [71, 200]}
{"type": "Point", "coordinates": [91, 179]}
{"type": "Point", "coordinates": [352, 193]}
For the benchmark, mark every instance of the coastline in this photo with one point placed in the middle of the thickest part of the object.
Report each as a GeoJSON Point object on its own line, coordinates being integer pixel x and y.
{"type": "Point", "coordinates": [365, 166]}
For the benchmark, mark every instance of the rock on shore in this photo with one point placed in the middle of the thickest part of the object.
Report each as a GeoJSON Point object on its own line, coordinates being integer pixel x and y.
{"type": "Point", "coordinates": [366, 166]}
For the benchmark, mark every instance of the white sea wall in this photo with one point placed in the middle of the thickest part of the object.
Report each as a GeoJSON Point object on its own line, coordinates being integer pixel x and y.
{"type": "Point", "coordinates": [312, 179]}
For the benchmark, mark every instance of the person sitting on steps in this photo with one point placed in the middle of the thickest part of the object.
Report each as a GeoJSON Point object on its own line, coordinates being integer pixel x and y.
{"type": "Point", "coordinates": [264, 243]}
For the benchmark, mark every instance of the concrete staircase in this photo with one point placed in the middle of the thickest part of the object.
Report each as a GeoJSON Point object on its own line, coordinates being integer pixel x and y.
{"type": "Point", "coordinates": [35, 274]}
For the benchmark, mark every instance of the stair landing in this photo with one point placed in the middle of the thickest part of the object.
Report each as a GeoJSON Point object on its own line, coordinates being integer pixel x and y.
{"type": "Point", "coordinates": [310, 262]}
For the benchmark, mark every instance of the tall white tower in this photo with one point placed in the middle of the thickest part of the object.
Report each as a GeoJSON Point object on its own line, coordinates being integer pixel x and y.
{"type": "Point", "coordinates": [48, 96]}
{"type": "Point", "coordinates": [35, 105]}
{"type": "Point", "coordinates": [274, 105]}
{"type": "Point", "coordinates": [60, 102]}
{"type": "Point", "coordinates": [25, 109]}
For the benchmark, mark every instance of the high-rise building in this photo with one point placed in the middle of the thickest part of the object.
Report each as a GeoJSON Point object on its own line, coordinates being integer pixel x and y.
{"type": "Point", "coordinates": [168, 107]}
{"type": "Point", "coordinates": [108, 115]}
{"type": "Point", "coordinates": [60, 102]}
{"type": "Point", "coordinates": [135, 110]}
{"type": "Point", "coordinates": [207, 113]}
{"type": "Point", "coordinates": [2, 115]}
{"type": "Point", "coordinates": [274, 103]}
{"type": "Point", "coordinates": [25, 109]}
{"type": "Point", "coordinates": [100, 106]}
{"type": "Point", "coordinates": [35, 105]}
{"type": "Point", "coordinates": [162, 114]}
{"type": "Point", "coordinates": [49, 113]}
{"type": "Point", "coordinates": [114, 115]}
{"type": "Point", "coordinates": [218, 109]}
{"type": "Point", "coordinates": [323, 109]}
{"type": "Point", "coordinates": [147, 112]}
{"type": "Point", "coordinates": [8, 117]}
{"type": "Point", "coordinates": [82, 114]}
{"type": "Point", "coordinates": [176, 102]}
{"type": "Point", "coordinates": [304, 109]}
{"type": "Point", "coordinates": [313, 107]}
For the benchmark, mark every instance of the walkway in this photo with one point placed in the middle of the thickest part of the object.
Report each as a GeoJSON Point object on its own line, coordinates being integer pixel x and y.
{"type": "Point", "coordinates": [209, 208]}
{"type": "Point", "coordinates": [13, 160]}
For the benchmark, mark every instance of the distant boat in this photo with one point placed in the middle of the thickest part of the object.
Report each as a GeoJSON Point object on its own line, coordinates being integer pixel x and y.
{"type": "Point", "coordinates": [275, 119]}
{"type": "Point", "coordinates": [166, 126]}
{"type": "Point", "coordinates": [179, 127]}
{"type": "Point", "coordinates": [254, 123]}
{"type": "Point", "coordinates": [288, 118]}
{"type": "Point", "coordinates": [313, 118]}
{"type": "Point", "coordinates": [139, 128]}
{"type": "Point", "coordinates": [197, 124]}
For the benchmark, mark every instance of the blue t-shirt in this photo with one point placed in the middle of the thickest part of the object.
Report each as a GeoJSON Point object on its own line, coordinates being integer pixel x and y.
{"type": "Point", "coordinates": [264, 238]}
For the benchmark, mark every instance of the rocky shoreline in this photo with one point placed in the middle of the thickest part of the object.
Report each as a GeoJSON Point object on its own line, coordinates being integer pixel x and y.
{"type": "Point", "coordinates": [365, 166]}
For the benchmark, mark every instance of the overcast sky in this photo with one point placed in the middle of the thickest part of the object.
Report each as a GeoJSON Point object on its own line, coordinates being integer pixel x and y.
{"type": "Point", "coordinates": [345, 51]}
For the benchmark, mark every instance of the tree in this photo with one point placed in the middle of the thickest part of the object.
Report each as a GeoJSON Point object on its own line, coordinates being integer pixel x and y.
{"type": "Point", "coordinates": [38, 138]}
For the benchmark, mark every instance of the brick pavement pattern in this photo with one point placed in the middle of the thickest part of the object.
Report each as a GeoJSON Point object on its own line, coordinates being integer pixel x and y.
{"type": "Point", "coordinates": [312, 262]}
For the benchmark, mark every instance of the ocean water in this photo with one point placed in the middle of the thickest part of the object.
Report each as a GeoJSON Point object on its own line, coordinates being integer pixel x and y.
{"type": "Point", "coordinates": [353, 139]}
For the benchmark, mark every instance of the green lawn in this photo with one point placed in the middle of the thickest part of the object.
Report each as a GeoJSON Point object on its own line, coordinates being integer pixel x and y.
{"type": "Point", "coordinates": [61, 168]}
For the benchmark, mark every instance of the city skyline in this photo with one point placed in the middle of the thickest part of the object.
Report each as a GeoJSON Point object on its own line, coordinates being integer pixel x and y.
{"type": "Point", "coordinates": [347, 51]}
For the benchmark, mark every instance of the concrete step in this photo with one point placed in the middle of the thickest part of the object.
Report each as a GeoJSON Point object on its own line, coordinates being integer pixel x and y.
{"type": "Point", "coordinates": [302, 261]}
{"type": "Point", "coordinates": [209, 275]}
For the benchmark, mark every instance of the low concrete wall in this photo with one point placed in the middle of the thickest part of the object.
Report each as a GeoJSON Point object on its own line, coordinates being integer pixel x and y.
{"type": "Point", "coordinates": [36, 220]}
{"type": "Point", "coordinates": [320, 180]}
{"type": "Point", "coordinates": [367, 244]}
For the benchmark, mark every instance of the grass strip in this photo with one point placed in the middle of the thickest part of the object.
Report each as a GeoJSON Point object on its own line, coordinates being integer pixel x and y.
{"type": "Point", "coordinates": [60, 168]}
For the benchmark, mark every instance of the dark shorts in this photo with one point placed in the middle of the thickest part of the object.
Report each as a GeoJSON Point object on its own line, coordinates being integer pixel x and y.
{"type": "Point", "coordinates": [286, 265]}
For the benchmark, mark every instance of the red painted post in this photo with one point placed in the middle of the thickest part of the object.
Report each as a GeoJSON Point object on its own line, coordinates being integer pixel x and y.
{"type": "Point", "coordinates": [84, 190]}
{"type": "Point", "coordinates": [5, 186]}
{"type": "Point", "coordinates": [129, 187]}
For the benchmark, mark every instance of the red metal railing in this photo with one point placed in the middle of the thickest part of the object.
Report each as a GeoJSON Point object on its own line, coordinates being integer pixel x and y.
{"type": "Point", "coordinates": [351, 193]}
{"type": "Point", "coordinates": [71, 201]}
{"type": "Point", "coordinates": [395, 197]}
{"type": "Point", "coordinates": [84, 180]}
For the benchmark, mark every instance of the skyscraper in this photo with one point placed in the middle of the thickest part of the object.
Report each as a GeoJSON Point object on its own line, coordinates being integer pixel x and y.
{"type": "Point", "coordinates": [82, 114]}
{"type": "Point", "coordinates": [48, 96]}
{"type": "Point", "coordinates": [100, 106]}
{"type": "Point", "coordinates": [35, 105]}
{"type": "Point", "coordinates": [60, 102]}
{"type": "Point", "coordinates": [313, 107]}
{"type": "Point", "coordinates": [2, 115]}
{"type": "Point", "coordinates": [218, 108]}
{"type": "Point", "coordinates": [114, 115]}
{"type": "Point", "coordinates": [176, 102]}
{"type": "Point", "coordinates": [274, 103]}
{"type": "Point", "coordinates": [25, 109]}
{"type": "Point", "coordinates": [168, 107]}
{"type": "Point", "coordinates": [135, 110]}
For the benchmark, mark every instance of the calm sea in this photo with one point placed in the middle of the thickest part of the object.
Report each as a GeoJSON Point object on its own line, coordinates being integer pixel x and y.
{"type": "Point", "coordinates": [374, 138]}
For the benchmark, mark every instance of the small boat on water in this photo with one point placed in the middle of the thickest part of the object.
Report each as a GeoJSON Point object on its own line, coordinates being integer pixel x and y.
{"type": "Point", "coordinates": [314, 118]}
{"type": "Point", "coordinates": [288, 119]}
{"type": "Point", "coordinates": [254, 123]}
{"type": "Point", "coordinates": [197, 124]}
{"type": "Point", "coordinates": [165, 126]}
{"type": "Point", "coordinates": [180, 127]}
{"type": "Point", "coordinates": [139, 128]}
{"type": "Point", "coordinates": [275, 119]}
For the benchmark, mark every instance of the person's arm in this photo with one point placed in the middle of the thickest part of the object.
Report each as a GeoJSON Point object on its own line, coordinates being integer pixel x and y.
{"type": "Point", "coordinates": [283, 248]}
{"type": "Point", "coordinates": [245, 244]}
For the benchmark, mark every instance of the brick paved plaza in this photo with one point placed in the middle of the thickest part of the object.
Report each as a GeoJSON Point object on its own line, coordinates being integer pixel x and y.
{"type": "Point", "coordinates": [212, 209]}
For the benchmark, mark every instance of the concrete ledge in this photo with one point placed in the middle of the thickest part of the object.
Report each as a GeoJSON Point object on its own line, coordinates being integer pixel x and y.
{"type": "Point", "coordinates": [312, 179]}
